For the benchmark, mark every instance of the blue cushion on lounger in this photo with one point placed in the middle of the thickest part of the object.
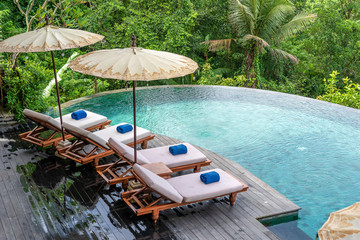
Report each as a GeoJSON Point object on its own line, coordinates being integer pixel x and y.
{"type": "Point", "coordinates": [210, 177]}
{"type": "Point", "coordinates": [178, 149]}
{"type": "Point", "coordinates": [124, 128]}
{"type": "Point", "coordinates": [77, 115]}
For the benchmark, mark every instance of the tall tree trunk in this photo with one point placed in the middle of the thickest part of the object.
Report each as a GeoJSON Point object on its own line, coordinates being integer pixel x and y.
{"type": "Point", "coordinates": [250, 56]}
{"type": "Point", "coordinates": [13, 60]}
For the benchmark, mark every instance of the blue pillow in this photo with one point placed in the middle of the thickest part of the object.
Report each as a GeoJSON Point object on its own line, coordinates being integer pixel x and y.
{"type": "Point", "coordinates": [178, 149]}
{"type": "Point", "coordinates": [124, 128]}
{"type": "Point", "coordinates": [210, 177]}
{"type": "Point", "coordinates": [77, 115]}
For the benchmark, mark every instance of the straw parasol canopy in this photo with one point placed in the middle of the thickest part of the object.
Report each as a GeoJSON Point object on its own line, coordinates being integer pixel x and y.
{"type": "Point", "coordinates": [342, 225]}
{"type": "Point", "coordinates": [49, 38]}
{"type": "Point", "coordinates": [134, 64]}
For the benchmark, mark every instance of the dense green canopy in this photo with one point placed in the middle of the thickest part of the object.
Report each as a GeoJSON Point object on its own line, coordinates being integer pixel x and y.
{"type": "Point", "coordinates": [281, 45]}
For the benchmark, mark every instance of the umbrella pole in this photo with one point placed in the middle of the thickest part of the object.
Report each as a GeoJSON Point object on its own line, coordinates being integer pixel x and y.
{"type": "Point", "coordinates": [134, 107]}
{"type": "Point", "coordinates": [58, 96]}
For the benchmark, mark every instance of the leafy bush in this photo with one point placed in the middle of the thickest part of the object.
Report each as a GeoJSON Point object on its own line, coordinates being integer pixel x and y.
{"type": "Point", "coordinates": [74, 85]}
{"type": "Point", "coordinates": [210, 77]}
{"type": "Point", "coordinates": [24, 87]}
{"type": "Point", "coordinates": [349, 95]}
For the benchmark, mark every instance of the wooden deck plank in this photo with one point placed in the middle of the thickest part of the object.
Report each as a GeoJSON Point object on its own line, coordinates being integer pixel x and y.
{"type": "Point", "coordinates": [2, 230]}
{"type": "Point", "coordinates": [10, 200]}
{"type": "Point", "coordinates": [213, 231]}
{"type": "Point", "coordinates": [232, 225]}
{"type": "Point", "coordinates": [19, 200]}
{"type": "Point", "coordinates": [103, 210]}
{"type": "Point", "coordinates": [8, 232]}
{"type": "Point", "coordinates": [179, 225]}
{"type": "Point", "coordinates": [23, 207]}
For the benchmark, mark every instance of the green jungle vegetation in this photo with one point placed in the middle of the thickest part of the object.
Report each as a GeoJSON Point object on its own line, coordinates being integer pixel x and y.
{"type": "Point", "coordinates": [305, 47]}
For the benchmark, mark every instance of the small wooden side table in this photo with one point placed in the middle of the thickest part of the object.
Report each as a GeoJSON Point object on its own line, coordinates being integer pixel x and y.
{"type": "Point", "coordinates": [159, 168]}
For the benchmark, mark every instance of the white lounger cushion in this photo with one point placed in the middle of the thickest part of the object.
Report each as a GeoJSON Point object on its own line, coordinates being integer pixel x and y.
{"type": "Point", "coordinates": [162, 154]}
{"type": "Point", "coordinates": [98, 140]}
{"type": "Point", "coordinates": [91, 119]}
{"type": "Point", "coordinates": [125, 138]}
{"type": "Point", "coordinates": [193, 189]}
{"type": "Point", "coordinates": [82, 133]}
{"type": "Point", "coordinates": [101, 137]}
{"type": "Point", "coordinates": [78, 132]}
{"type": "Point", "coordinates": [157, 183]}
{"type": "Point", "coordinates": [127, 151]}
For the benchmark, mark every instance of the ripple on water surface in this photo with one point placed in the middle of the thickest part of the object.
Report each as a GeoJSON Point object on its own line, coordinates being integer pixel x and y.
{"type": "Point", "coordinates": [306, 149]}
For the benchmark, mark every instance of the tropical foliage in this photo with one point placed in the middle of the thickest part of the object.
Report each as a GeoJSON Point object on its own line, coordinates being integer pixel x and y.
{"type": "Point", "coordinates": [281, 45]}
{"type": "Point", "coordinates": [259, 26]}
{"type": "Point", "coordinates": [349, 95]}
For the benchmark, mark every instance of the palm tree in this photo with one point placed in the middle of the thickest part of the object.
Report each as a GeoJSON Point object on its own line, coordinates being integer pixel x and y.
{"type": "Point", "coordinates": [259, 25]}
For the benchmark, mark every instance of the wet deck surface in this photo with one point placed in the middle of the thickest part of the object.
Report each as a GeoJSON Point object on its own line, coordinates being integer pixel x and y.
{"type": "Point", "coordinates": [45, 197]}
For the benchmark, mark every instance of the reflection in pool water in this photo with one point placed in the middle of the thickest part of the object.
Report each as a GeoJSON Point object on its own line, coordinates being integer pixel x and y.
{"type": "Point", "coordinates": [306, 149]}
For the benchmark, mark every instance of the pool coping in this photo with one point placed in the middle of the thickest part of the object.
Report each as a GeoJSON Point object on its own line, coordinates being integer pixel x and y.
{"type": "Point", "coordinates": [81, 99]}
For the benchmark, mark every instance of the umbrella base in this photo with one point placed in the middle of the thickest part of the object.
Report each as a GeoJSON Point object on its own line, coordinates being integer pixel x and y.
{"type": "Point", "coordinates": [62, 144]}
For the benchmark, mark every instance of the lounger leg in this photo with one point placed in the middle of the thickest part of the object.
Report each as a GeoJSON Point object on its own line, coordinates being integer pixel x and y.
{"type": "Point", "coordinates": [197, 168]}
{"type": "Point", "coordinates": [125, 185]}
{"type": "Point", "coordinates": [144, 145]}
{"type": "Point", "coordinates": [232, 198]}
{"type": "Point", "coordinates": [95, 162]}
{"type": "Point", "coordinates": [155, 215]}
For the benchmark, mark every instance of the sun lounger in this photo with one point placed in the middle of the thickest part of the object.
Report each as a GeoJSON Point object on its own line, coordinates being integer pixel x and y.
{"type": "Point", "coordinates": [119, 172]}
{"type": "Point", "coordinates": [177, 191]}
{"type": "Point", "coordinates": [96, 142]}
{"type": "Point", "coordinates": [44, 134]}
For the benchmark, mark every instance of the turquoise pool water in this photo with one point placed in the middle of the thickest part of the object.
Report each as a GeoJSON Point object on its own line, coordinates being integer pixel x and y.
{"type": "Point", "coordinates": [306, 149]}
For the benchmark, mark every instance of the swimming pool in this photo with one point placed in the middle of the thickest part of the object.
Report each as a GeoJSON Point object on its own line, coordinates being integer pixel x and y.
{"type": "Point", "coordinates": [308, 150]}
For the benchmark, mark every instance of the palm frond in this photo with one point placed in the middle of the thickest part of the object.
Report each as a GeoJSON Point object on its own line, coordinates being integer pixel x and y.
{"type": "Point", "coordinates": [274, 16]}
{"type": "Point", "coordinates": [298, 23]}
{"type": "Point", "coordinates": [260, 42]}
{"type": "Point", "coordinates": [254, 6]}
{"type": "Point", "coordinates": [217, 45]}
{"type": "Point", "coordinates": [280, 54]}
{"type": "Point", "coordinates": [241, 18]}
{"type": "Point", "coordinates": [221, 71]}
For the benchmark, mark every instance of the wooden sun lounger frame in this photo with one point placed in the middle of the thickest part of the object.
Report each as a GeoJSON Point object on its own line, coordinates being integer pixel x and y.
{"type": "Point", "coordinates": [141, 198]}
{"type": "Point", "coordinates": [124, 178]}
{"type": "Point", "coordinates": [77, 152]}
{"type": "Point", "coordinates": [33, 136]}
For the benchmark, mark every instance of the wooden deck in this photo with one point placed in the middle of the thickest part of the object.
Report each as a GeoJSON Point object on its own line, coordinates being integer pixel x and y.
{"type": "Point", "coordinates": [45, 197]}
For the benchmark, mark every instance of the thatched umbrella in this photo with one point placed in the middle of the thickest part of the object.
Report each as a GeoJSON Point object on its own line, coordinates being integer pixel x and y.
{"type": "Point", "coordinates": [49, 38]}
{"type": "Point", "coordinates": [343, 224]}
{"type": "Point", "coordinates": [134, 64]}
